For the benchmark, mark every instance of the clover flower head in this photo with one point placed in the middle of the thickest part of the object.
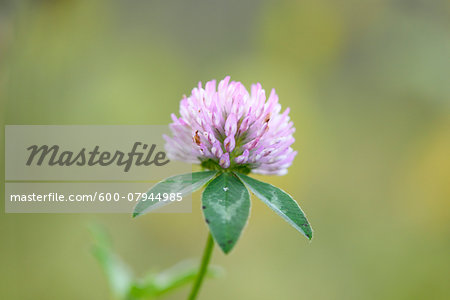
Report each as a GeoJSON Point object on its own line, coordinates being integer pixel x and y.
{"type": "Point", "coordinates": [230, 128]}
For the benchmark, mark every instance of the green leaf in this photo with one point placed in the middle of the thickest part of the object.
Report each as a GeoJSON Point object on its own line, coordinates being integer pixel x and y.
{"type": "Point", "coordinates": [119, 275]}
{"type": "Point", "coordinates": [164, 282]}
{"type": "Point", "coordinates": [181, 274]}
{"type": "Point", "coordinates": [226, 207]}
{"type": "Point", "coordinates": [125, 286]}
{"type": "Point", "coordinates": [184, 184]}
{"type": "Point", "coordinates": [280, 202]}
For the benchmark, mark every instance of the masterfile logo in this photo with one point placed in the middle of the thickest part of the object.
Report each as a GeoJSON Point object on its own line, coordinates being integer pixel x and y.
{"type": "Point", "coordinates": [85, 152]}
{"type": "Point", "coordinates": [54, 156]}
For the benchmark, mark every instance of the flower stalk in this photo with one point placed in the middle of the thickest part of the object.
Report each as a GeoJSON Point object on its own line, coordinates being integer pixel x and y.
{"type": "Point", "coordinates": [203, 267]}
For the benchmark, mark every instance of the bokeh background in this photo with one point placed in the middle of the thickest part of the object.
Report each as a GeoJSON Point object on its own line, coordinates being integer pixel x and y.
{"type": "Point", "coordinates": [369, 91]}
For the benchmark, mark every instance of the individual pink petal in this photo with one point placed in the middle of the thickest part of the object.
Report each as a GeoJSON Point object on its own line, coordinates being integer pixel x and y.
{"type": "Point", "coordinates": [229, 143]}
{"type": "Point", "coordinates": [243, 158]}
{"type": "Point", "coordinates": [231, 125]}
{"type": "Point", "coordinates": [224, 161]}
{"type": "Point", "coordinates": [216, 149]}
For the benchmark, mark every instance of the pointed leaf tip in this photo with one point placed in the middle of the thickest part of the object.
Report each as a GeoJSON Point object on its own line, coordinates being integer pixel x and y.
{"type": "Point", "coordinates": [183, 184]}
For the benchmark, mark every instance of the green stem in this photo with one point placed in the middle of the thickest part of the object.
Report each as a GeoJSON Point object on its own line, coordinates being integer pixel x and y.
{"type": "Point", "coordinates": [203, 267]}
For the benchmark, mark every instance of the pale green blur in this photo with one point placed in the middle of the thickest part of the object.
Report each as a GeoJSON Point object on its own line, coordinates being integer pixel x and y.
{"type": "Point", "coordinates": [368, 87]}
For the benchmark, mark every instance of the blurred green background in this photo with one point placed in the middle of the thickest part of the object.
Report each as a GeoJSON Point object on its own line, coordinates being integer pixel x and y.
{"type": "Point", "coordinates": [369, 91]}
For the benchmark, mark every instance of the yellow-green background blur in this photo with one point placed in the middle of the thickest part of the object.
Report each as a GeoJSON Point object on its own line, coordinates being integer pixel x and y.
{"type": "Point", "coordinates": [368, 87]}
